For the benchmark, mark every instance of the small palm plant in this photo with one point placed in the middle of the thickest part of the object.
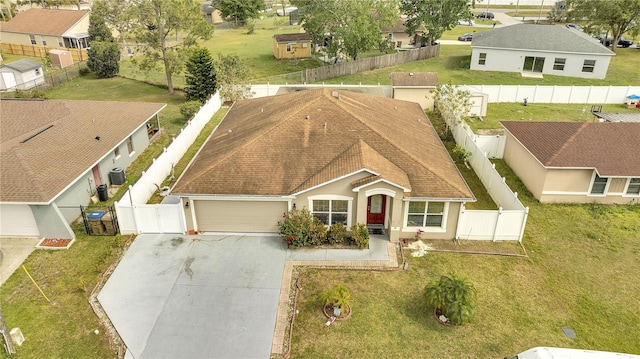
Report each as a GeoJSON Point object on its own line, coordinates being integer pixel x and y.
{"type": "Point", "coordinates": [338, 297]}
{"type": "Point", "coordinates": [452, 296]}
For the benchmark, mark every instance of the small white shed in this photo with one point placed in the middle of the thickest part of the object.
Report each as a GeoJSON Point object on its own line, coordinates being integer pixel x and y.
{"type": "Point", "coordinates": [24, 74]}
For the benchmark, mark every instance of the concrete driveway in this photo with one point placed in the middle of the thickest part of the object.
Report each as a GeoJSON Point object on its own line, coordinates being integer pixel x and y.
{"type": "Point", "coordinates": [205, 296]}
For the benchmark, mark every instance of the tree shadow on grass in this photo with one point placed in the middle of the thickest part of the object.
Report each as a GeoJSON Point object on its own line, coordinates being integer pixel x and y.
{"type": "Point", "coordinates": [462, 62]}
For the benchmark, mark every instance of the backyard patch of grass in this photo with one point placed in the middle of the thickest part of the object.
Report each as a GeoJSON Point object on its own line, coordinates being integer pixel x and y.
{"type": "Point", "coordinates": [569, 280]}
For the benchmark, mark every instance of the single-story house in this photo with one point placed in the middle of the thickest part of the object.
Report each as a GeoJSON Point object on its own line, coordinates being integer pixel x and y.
{"type": "Point", "coordinates": [56, 152]}
{"type": "Point", "coordinates": [48, 27]}
{"type": "Point", "coordinates": [415, 86]}
{"type": "Point", "coordinates": [23, 74]}
{"type": "Point", "coordinates": [398, 35]}
{"type": "Point", "coordinates": [540, 49]}
{"type": "Point", "coordinates": [576, 162]}
{"type": "Point", "coordinates": [292, 46]}
{"type": "Point", "coordinates": [347, 157]}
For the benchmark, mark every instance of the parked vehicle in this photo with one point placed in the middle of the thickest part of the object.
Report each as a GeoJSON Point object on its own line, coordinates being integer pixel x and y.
{"type": "Point", "coordinates": [485, 15]}
{"type": "Point", "coordinates": [466, 37]}
{"type": "Point", "coordinates": [622, 42]}
{"type": "Point", "coordinates": [574, 26]}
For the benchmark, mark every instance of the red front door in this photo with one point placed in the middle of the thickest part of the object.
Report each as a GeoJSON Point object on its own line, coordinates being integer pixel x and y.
{"type": "Point", "coordinates": [376, 205]}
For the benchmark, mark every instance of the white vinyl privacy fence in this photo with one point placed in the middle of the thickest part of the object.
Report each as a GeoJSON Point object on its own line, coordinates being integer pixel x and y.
{"type": "Point", "coordinates": [134, 215]}
{"type": "Point", "coordinates": [557, 94]}
{"type": "Point", "coordinates": [508, 222]}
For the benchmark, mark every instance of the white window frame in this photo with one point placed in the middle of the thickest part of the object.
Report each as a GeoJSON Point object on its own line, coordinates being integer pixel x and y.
{"type": "Point", "coordinates": [290, 47]}
{"type": "Point", "coordinates": [424, 228]}
{"type": "Point", "coordinates": [559, 63]}
{"type": "Point", "coordinates": [43, 40]}
{"type": "Point", "coordinates": [482, 58]}
{"type": "Point", "coordinates": [130, 147]}
{"type": "Point", "coordinates": [116, 153]}
{"type": "Point", "coordinates": [32, 39]}
{"type": "Point", "coordinates": [588, 68]}
{"type": "Point", "coordinates": [333, 197]}
{"type": "Point", "coordinates": [626, 188]}
{"type": "Point", "coordinates": [606, 186]}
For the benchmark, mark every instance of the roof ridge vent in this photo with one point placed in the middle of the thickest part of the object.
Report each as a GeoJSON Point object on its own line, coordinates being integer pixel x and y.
{"type": "Point", "coordinates": [35, 134]}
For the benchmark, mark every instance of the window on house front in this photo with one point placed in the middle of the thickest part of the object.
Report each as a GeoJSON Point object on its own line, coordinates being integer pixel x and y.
{"type": "Point", "coordinates": [558, 64]}
{"type": "Point", "coordinates": [116, 152]}
{"type": "Point", "coordinates": [588, 65]}
{"type": "Point", "coordinates": [331, 211]}
{"type": "Point", "coordinates": [44, 41]}
{"type": "Point", "coordinates": [482, 59]}
{"type": "Point", "coordinates": [130, 145]}
{"type": "Point", "coordinates": [599, 185]}
{"type": "Point", "coordinates": [60, 43]}
{"type": "Point", "coordinates": [33, 39]}
{"type": "Point", "coordinates": [634, 187]}
{"type": "Point", "coordinates": [426, 214]}
{"type": "Point", "coordinates": [289, 47]}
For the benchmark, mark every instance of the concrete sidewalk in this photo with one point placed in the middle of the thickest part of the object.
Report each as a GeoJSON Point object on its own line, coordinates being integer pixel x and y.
{"type": "Point", "coordinates": [14, 252]}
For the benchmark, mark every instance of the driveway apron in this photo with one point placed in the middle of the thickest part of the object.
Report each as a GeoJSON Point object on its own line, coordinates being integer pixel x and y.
{"type": "Point", "coordinates": [205, 296]}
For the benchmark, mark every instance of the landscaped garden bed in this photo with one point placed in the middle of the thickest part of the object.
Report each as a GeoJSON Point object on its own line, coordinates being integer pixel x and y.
{"type": "Point", "coordinates": [55, 243]}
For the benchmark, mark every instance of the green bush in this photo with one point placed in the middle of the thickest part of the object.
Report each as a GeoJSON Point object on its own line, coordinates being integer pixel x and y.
{"type": "Point", "coordinates": [189, 109]}
{"type": "Point", "coordinates": [299, 228]}
{"type": "Point", "coordinates": [453, 296]}
{"type": "Point", "coordinates": [337, 233]}
{"type": "Point", "coordinates": [338, 296]}
{"type": "Point", "coordinates": [360, 235]}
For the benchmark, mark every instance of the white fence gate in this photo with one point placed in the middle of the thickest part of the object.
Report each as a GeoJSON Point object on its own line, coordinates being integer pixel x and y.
{"type": "Point", "coordinates": [134, 215]}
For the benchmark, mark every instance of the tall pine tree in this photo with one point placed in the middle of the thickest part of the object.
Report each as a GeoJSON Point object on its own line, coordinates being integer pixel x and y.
{"type": "Point", "coordinates": [104, 53]}
{"type": "Point", "coordinates": [200, 76]}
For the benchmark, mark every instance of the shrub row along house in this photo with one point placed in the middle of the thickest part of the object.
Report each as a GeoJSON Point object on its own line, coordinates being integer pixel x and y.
{"type": "Point", "coordinates": [347, 157]}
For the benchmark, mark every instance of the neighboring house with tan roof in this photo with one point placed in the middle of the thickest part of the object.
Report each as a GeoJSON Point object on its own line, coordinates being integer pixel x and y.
{"type": "Point", "coordinates": [48, 27]}
{"type": "Point", "coordinates": [23, 74]}
{"type": "Point", "coordinates": [56, 152]}
{"type": "Point", "coordinates": [290, 46]}
{"type": "Point", "coordinates": [540, 49]}
{"type": "Point", "coordinates": [415, 86]}
{"type": "Point", "coordinates": [348, 157]}
{"type": "Point", "coordinates": [575, 162]}
{"type": "Point", "coordinates": [398, 35]}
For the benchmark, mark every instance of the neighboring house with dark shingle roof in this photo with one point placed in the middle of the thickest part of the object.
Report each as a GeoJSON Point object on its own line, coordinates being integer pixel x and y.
{"type": "Point", "coordinates": [543, 49]}
{"type": "Point", "coordinates": [575, 162]}
{"type": "Point", "coordinates": [23, 74]}
{"type": "Point", "coordinates": [289, 46]}
{"type": "Point", "coordinates": [48, 27]}
{"type": "Point", "coordinates": [348, 157]}
{"type": "Point", "coordinates": [415, 86]}
{"type": "Point", "coordinates": [55, 152]}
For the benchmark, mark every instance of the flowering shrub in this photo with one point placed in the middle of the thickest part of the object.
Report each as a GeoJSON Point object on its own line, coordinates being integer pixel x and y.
{"type": "Point", "coordinates": [299, 228]}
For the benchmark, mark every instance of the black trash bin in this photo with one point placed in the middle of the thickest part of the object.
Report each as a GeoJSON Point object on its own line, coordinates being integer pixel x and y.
{"type": "Point", "coordinates": [103, 193]}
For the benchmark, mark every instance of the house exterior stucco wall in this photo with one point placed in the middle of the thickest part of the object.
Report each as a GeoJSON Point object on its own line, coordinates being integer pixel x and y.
{"type": "Point", "coordinates": [527, 167]}
{"type": "Point", "coordinates": [423, 96]}
{"type": "Point", "coordinates": [449, 231]}
{"type": "Point", "coordinates": [24, 39]}
{"type": "Point", "coordinates": [511, 60]}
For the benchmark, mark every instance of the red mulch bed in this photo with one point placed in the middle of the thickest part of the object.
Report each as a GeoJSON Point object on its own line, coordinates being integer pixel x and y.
{"type": "Point", "coordinates": [55, 243]}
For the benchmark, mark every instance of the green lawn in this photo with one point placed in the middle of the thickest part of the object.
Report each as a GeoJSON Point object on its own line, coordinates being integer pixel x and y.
{"type": "Point", "coordinates": [581, 273]}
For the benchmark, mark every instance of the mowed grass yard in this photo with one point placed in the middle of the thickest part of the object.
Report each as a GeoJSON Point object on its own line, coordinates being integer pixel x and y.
{"type": "Point", "coordinates": [581, 273]}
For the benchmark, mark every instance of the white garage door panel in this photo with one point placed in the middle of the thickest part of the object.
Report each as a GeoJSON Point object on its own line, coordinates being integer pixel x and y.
{"type": "Point", "coordinates": [239, 216]}
{"type": "Point", "coordinates": [17, 221]}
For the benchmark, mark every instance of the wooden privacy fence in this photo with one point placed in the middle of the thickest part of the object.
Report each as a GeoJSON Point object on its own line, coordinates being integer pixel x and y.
{"type": "Point", "coordinates": [371, 63]}
{"type": "Point", "coordinates": [78, 55]}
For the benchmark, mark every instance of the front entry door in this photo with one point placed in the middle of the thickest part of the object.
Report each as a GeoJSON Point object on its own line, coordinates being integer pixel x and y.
{"type": "Point", "coordinates": [376, 205]}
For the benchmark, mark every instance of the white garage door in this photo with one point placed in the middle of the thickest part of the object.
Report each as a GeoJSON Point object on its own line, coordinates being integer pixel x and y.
{"type": "Point", "coordinates": [17, 221]}
{"type": "Point", "coordinates": [239, 216]}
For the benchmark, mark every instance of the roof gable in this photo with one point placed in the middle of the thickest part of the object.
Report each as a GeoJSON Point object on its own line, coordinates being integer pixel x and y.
{"type": "Point", "coordinates": [46, 145]}
{"type": "Point", "coordinates": [286, 144]}
{"type": "Point", "coordinates": [44, 21]}
{"type": "Point", "coordinates": [536, 37]}
{"type": "Point", "coordinates": [609, 147]}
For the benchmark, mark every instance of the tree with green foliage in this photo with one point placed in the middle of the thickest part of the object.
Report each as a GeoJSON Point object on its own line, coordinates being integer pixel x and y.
{"type": "Point", "coordinates": [157, 20]}
{"type": "Point", "coordinates": [614, 17]}
{"type": "Point", "coordinates": [119, 15]}
{"type": "Point", "coordinates": [239, 11]}
{"type": "Point", "coordinates": [104, 53]}
{"type": "Point", "coordinates": [452, 297]}
{"type": "Point", "coordinates": [200, 76]}
{"type": "Point", "coordinates": [435, 16]}
{"type": "Point", "coordinates": [347, 27]}
{"type": "Point", "coordinates": [232, 76]}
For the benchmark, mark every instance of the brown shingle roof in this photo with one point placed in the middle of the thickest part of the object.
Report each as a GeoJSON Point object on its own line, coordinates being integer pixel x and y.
{"type": "Point", "coordinates": [292, 37]}
{"type": "Point", "coordinates": [610, 148]}
{"type": "Point", "coordinates": [282, 145]}
{"type": "Point", "coordinates": [44, 21]}
{"type": "Point", "coordinates": [37, 170]}
{"type": "Point", "coordinates": [418, 79]}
